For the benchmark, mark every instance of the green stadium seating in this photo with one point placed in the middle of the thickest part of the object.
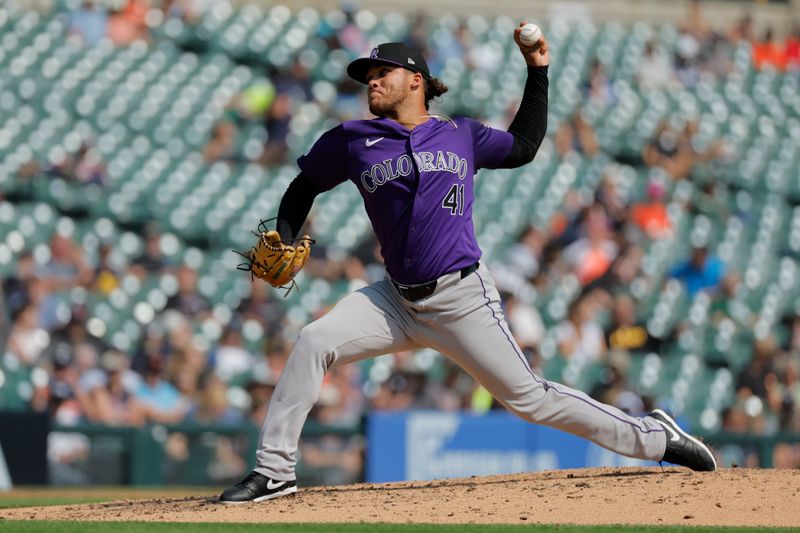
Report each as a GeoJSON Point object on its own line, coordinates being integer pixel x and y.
{"type": "Point", "coordinates": [149, 109]}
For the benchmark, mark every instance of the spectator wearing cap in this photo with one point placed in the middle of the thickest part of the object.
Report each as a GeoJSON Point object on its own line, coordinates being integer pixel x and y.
{"type": "Point", "coordinates": [702, 271]}
{"type": "Point", "coordinates": [651, 216]}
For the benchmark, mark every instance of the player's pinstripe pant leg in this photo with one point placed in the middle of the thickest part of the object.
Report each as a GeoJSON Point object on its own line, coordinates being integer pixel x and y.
{"type": "Point", "coordinates": [464, 321]}
{"type": "Point", "coordinates": [365, 323]}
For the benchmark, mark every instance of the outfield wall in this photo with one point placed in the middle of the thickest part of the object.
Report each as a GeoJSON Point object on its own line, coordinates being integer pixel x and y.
{"type": "Point", "coordinates": [389, 446]}
{"type": "Point", "coordinates": [435, 445]}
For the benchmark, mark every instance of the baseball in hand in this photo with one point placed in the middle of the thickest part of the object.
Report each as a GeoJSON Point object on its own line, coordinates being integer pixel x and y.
{"type": "Point", "coordinates": [530, 34]}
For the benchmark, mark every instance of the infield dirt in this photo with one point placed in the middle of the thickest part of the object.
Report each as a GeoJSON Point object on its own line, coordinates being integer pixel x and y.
{"type": "Point", "coordinates": [729, 497]}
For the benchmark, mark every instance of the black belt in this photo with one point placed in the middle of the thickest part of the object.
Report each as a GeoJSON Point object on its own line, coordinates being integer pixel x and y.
{"type": "Point", "coordinates": [412, 293]}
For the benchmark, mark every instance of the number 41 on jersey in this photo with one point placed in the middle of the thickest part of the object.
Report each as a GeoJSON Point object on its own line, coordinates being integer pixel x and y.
{"type": "Point", "coordinates": [454, 199]}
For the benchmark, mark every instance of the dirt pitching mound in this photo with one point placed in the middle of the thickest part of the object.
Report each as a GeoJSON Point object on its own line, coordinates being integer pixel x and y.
{"type": "Point", "coordinates": [731, 497]}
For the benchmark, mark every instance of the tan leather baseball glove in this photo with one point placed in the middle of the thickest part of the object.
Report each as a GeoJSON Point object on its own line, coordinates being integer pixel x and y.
{"type": "Point", "coordinates": [274, 260]}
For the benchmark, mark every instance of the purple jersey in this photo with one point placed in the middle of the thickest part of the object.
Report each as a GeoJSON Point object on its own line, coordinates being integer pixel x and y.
{"type": "Point", "coordinates": [417, 186]}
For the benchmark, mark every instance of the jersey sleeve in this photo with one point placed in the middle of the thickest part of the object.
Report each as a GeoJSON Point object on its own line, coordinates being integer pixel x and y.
{"type": "Point", "coordinates": [326, 163]}
{"type": "Point", "coordinates": [491, 146]}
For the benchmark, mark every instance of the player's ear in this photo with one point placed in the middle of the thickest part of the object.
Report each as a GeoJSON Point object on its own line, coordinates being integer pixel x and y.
{"type": "Point", "coordinates": [416, 80]}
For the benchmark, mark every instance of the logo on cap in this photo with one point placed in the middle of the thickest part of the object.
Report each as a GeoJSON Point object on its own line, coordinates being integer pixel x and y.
{"type": "Point", "coordinates": [374, 53]}
{"type": "Point", "coordinates": [411, 61]}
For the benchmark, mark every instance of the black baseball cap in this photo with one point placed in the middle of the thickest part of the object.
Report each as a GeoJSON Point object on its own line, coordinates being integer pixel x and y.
{"type": "Point", "coordinates": [395, 54]}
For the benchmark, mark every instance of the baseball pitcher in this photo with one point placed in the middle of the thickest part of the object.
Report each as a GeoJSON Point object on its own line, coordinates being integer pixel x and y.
{"type": "Point", "coordinates": [415, 173]}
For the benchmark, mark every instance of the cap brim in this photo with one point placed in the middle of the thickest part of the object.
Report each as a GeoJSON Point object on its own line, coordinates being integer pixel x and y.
{"type": "Point", "coordinates": [358, 68]}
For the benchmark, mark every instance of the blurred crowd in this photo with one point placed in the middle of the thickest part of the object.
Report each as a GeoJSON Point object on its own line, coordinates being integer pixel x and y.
{"type": "Point", "coordinates": [597, 239]}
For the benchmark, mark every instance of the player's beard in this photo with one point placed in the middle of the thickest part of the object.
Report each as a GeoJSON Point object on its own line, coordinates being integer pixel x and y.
{"type": "Point", "coordinates": [386, 104]}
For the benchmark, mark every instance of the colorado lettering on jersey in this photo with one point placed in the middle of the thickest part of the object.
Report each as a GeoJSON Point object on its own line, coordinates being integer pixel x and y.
{"type": "Point", "coordinates": [391, 169]}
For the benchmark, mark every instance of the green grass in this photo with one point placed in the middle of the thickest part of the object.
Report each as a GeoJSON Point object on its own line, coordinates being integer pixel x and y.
{"type": "Point", "coordinates": [126, 527]}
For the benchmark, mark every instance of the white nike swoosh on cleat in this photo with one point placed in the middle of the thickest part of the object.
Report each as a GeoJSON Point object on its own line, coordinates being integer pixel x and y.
{"type": "Point", "coordinates": [675, 437]}
{"type": "Point", "coordinates": [284, 492]}
{"type": "Point", "coordinates": [682, 432]}
{"type": "Point", "coordinates": [371, 142]}
{"type": "Point", "coordinates": [272, 484]}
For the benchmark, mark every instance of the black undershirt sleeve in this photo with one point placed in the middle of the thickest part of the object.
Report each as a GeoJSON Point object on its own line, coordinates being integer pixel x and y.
{"type": "Point", "coordinates": [530, 123]}
{"type": "Point", "coordinates": [295, 206]}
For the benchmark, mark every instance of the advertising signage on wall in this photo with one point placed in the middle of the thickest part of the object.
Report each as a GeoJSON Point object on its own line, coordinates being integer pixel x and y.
{"type": "Point", "coordinates": [422, 445]}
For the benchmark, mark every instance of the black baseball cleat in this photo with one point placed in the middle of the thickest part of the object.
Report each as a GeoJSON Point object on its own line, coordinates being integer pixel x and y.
{"type": "Point", "coordinates": [257, 488]}
{"type": "Point", "coordinates": [682, 448]}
